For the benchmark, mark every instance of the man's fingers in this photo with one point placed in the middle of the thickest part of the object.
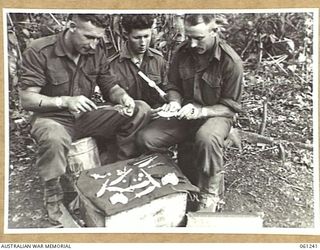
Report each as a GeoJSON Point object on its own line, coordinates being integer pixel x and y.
{"type": "Point", "coordinates": [92, 104]}
{"type": "Point", "coordinates": [86, 106]}
{"type": "Point", "coordinates": [165, 107]}
{"type": "Point", "coordinates": [185, 112]}
{"type": "Point", "coordinates": [80, 108]}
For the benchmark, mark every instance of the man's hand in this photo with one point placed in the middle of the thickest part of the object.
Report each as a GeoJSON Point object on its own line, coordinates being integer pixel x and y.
{"type": "Point", "coordinates": [129, 103]}
{"type": "Point", "coordinates": [171, 106]}
{"type": "Point", "coordinates": [190, 112]}
{"type": "Point", "coordinates": [77, 104]}
{"type": "Point", "coordinates": [154, 113]}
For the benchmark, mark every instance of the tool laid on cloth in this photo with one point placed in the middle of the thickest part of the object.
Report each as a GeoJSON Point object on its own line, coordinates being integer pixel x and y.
{"type": "Point", "coordinates": [132, 183]}
{"type": "Point", "coordinates": [102, 190]}
{"type": "Point", "coordinates": [120, 178]}
{"type": "Point", "coordinates": [146, 163]}
{"type": "Point", "coordinates": [98, 176]}
{"type": "Point", "coordinates": [153, 181]}
{"type": "Point", "coordinates": [144, 160]}
{"type": "Point", "coordinates": [145, 192]}
{"type": "Point", "coordinates": [152, 84]}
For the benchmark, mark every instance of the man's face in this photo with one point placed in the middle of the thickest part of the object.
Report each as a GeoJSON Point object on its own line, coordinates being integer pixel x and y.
{"type": "Point", "coordinates": [200, 37]}
{"type": "Point", "coordinates": [85, 36]}
{"type": "Point", "coordinates": [139, 40]}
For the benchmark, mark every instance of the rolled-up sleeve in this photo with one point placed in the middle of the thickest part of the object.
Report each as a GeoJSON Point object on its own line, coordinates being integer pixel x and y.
{"type": "Point", "coordinates": [106, 79]}
{"type": "Point", "coordinates": [33, 73]}
{"type": "Point", "coordinates": [174, 79]}
{"type": "Point", "coordinates": [232, 85]}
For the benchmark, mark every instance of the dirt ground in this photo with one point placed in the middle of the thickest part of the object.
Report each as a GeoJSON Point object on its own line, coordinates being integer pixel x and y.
{"type": "Point", "coordinates": [275, 181]}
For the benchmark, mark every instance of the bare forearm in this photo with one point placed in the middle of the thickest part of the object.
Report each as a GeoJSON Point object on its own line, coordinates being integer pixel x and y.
{"type": "Point", "coordinates": [217, 110]}
{"type": "Point", "coordinates": [36, 102]}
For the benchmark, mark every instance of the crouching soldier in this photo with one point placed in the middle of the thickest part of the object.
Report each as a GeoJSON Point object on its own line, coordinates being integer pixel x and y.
{"type": "Point", "coordinates": [60, 73]}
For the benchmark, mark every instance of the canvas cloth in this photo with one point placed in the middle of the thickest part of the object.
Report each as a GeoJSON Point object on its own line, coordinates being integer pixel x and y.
{"type": "Point", "coordinates": [88, 186]}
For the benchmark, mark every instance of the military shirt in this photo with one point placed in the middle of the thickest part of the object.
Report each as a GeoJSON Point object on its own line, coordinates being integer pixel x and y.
{"type": "Point", "coordinates": [153, 65]}
{"type": "Point", "coordinates": [217, 80]}
{"type": "Point", "coordinates": [46, 64]}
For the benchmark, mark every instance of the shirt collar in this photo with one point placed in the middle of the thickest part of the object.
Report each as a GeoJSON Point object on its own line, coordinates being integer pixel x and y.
{"type": "Point", "coordinates": [216, 50]}
{"type": "Point", "coordinates": [125, 53]}
{"type": "Point", "coordinates": [60, 48]}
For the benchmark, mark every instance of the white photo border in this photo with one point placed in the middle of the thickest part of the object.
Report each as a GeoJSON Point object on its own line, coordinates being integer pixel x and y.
{"type": "Point", "coordinates": [285, 231]}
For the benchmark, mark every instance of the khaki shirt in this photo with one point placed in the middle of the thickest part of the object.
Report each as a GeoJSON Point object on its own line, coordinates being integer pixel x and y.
{"type": "Point", "coordinates": [217, 80]}
{"type": "Point", "coordinates": [47, 65]}
{"type": "Point", "coordinates": [153, 65]}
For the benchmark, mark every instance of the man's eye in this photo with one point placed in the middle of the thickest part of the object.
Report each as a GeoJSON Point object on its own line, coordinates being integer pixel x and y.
{"type": "Point", "coordinates": [90, 37]}
{"type": "Point", "coordinates": [198, 38]}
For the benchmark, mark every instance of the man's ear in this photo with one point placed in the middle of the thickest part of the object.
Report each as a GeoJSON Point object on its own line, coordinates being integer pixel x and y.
{"type": "Point", "coordinates": [72, 26]}
{"type": "Point", "coordinates": [213, 27]}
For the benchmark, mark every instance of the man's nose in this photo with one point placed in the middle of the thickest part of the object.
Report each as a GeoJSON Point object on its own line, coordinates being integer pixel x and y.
{"type": "Point", "coordinates": [143, 41]}
{"type": "Point", "coordinates": [193, 43]}
{"type": "Point", "coordinates": [93, 43]}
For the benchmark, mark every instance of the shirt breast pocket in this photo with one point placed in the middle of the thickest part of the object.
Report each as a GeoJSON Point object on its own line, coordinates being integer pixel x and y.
{"type": "Point", "coordinates": [187, 76]}
{"type": "Point", "coordinates": [58, 83]}
{"type": "Point", "coordinates": [211, 88]}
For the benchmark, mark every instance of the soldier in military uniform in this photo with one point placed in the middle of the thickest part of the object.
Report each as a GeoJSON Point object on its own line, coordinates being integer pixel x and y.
{"type": "Point", "coordinates": [136, 55]}
{"type": "Point", "coordinates": [204, 90]}
{"type": "Point", "coordinates": [60, 73]}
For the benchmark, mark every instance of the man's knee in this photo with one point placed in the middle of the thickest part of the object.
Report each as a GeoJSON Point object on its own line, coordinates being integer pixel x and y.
{"type": "Point", "coordinates": [150, 140]}
{"type": "Point", "coordinates": [144, 139]}
{"type": "Point", "coordinates": [54, 136]}
{"type": "Point", "coordinates": [208, 138]}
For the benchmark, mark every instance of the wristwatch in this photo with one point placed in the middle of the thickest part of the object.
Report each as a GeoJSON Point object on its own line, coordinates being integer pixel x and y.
{"type": "Point", "coordinates": [58, 101]}
{"type": "Point", "coordinates": [204, 112]}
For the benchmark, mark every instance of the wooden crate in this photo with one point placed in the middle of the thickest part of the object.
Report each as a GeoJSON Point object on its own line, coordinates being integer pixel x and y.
{"type": "Point", "coordinates": [165, 206]}
{"type": "Point", "coordinates": [167, 211]}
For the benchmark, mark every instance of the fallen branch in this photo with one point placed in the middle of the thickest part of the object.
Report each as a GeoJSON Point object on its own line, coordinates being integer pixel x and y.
{"type": "Point", "coordinates": [264, 117]}
{"type": "Point", "coordinates": [256, 138]}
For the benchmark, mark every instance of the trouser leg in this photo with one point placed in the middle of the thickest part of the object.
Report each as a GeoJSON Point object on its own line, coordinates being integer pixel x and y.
{"type": "Point", "coordinates": [209, 141]}
{"type": "Point", "coordinates": [54, 141]}
{"type": "Point", "coordinates": [161, 134]}
{"type": "Point", "coordinates": [110, 123]}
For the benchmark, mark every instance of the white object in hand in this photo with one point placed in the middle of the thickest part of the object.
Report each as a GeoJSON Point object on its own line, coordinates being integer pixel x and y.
{"type": "Point", "coordinates": [167, 114]}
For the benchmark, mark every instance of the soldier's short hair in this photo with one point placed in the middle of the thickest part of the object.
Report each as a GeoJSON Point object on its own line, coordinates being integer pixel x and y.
{"type": "Point", "coordinates": [194, 19]}
{"type": "Point", "coordinates": [99, 20]}
{"type": "Point", "coordinates": [137, 21]}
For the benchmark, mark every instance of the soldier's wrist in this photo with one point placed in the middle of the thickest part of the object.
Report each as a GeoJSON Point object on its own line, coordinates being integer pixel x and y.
{"type": "Point", "coordinates": [58, 102]}
{"type": "Point", "coordinates": [204, 112]}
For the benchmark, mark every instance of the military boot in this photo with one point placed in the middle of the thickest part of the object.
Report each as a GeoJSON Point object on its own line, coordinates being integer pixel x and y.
{"type": "Point", "coordinates": [53, 196]}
